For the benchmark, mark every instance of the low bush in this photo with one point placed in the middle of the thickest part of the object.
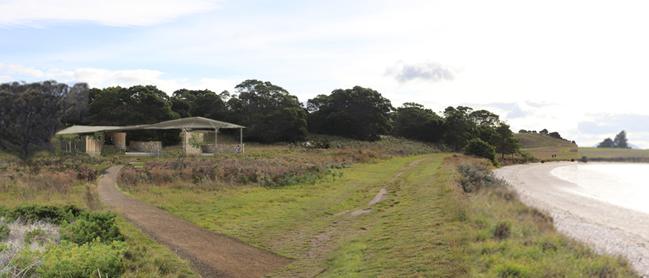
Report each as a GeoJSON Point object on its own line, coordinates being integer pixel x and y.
{"type": "Point", "coordinates": [4, 231]}
{"type": "Point", "coordinates": [481, 148]}
{"type": "Point", "coordinates": [93, 259]}
{"type": "Point", "coordinates": [49, 214]}
{"type": "Point", "coordinates": [86, 174]}
{"type": "Point", "coordinates": [36, 236]}
{"type": "Point", "coordinates": [502, 230]}
{"type": "Point", "coordinates": [510, 270]}
{"type": "Point", "coordinates": [475, 176]}
{"type": "Point", "coordinates": [90, 227]}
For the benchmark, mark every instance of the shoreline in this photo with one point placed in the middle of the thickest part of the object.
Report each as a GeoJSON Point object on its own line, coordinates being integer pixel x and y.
{"type": "Point", "coordinates": [605, 227]}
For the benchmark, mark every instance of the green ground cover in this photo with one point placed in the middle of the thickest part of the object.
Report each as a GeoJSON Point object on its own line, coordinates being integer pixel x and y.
{"type": "Point", "coordinates": [143, 257]}
{"type": "Point", "coordinates": [426, 226]}
{"type": "Point", "coordinates": [544, 147]}
{"type": "Point", "coordinates": [614, 154]}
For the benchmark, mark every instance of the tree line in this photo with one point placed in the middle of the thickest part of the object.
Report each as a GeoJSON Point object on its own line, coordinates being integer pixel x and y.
{"type": "Point", "coordinates": [30, 113]}
{"type": "Point", "coordinates": [620, 142]}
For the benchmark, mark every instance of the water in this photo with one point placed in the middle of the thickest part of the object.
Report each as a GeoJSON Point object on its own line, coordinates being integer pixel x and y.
{"type": "Point", "coordinates": [621, 184]}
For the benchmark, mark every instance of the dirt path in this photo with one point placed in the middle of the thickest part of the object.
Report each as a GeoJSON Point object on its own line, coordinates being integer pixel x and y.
{"type": "Point", "coordinates": [606, 227]}
{"type": "Point", "coordinates": [212, 255]}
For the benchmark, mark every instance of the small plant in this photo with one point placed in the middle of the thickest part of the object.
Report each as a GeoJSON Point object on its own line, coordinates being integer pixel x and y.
{"type": "Point", "coordinates": [476, 176]}
{"type": "Point", "coordinates": [4, 231]}
{"type": "Point", "coordinates": [89, 227]}
{"type": "Point", "coordinates": [502, 231]}
{"type": "Point", "coordinates": [86, 174]}
{"type": "Point", "coordinates": [36, 236]}
{"type": "Point", "coordinates": [510, 270]}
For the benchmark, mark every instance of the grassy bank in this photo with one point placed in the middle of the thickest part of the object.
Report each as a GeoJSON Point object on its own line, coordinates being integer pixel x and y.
{"type": "Point", "coordinates": [614, 154]}
{"type": "Point", "coordinates": [143, 257]}
{"type": "Point", "coordinates": [544, 147]}
{"type": "Point", "coordinates": [427, 225]}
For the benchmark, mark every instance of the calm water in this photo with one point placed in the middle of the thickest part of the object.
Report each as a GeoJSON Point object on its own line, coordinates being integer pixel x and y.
{"type": "Point", "coordinates": [621, 184]}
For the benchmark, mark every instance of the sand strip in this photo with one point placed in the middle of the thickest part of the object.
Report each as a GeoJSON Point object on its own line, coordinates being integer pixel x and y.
{"type": "Point", "coordinates": [607, 228]}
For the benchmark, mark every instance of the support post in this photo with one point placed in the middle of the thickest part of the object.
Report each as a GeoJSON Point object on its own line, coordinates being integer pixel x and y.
{"type": "Point", "coordinates": [216, 140]}
{"type": "Point", "coordinates": [241, 140]}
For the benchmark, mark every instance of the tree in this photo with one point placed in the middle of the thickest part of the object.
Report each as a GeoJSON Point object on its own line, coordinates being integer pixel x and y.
{"type": "Point", "coordinates": [544, 131]}
{"type": "Point", "coordinates": [506, 142]}
{"type": "Point", "coordinates": [359, 113]}
{"type": "Point", "coordinates": [30, 114]}
{"type": "Point", "coordinates": [607, 143]}
{"type": "Point", "coordinates": [131, 106]}
{"type": "Point", "coordinates": [269, 112]}
{"type": "Point", "coordinates": [621, 141]}
{"type": "Point", "coordinates": [75, 105]}
{"type": "Point", "coordinates": [413, 121]}
{"type": "Point", "coordinates": [555, 135]}
{"type": "Point", "coordinates": [459, 127]}
{"type": "Point", "coordinates": [198, 103]}
{"type": "Point", "coordinates": [480, 148]}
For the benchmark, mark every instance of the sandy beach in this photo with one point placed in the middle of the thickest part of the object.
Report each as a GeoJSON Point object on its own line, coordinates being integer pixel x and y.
{"type": "Point", "coordinates": [607, 228]}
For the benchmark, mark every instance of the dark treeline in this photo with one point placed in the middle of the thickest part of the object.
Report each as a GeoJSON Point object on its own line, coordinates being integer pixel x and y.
{"type": "Point", "coordinates": [31, 113]}
{"type": "Point", "coordinates": [620, 142]}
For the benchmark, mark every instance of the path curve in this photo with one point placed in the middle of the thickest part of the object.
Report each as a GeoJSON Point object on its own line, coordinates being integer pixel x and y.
{"type": "Point", "coordinates": [212, 255]}
{"type": "Point", "coordinates": [606, 227]}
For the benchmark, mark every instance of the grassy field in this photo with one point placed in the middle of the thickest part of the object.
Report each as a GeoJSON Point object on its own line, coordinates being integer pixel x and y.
{"type": "Point", "coordinates": [543, 147]}
{"type": "Point", "coordinates": [614, 154]}
{"type": "Point", "coordinates": [426, 226]}
{"type": "Point", "coordinates": [144, 257]}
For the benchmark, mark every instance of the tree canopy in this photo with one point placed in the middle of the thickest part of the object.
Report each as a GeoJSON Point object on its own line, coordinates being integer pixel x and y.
{"type": "Point", "coordinates": [359, 113]}
{"type": "Point", "coordinates": [30, 114]}
{"type": "Point", "coordinates": [620, 142]}
{"type": "Point", "coordinates": [269, 112]}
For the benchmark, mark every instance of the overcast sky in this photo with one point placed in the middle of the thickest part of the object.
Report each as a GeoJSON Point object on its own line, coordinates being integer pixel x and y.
{"type": "Point", "coordinates": [577, 67]}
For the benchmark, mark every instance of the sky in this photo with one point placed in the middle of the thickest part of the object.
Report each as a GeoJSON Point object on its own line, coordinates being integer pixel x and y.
{"type": "Point", "coordinates": [578, 67]}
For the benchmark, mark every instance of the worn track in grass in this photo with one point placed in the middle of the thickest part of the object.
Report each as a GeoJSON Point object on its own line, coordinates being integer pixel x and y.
{"type": "Point", "coordinates": [212, 255]}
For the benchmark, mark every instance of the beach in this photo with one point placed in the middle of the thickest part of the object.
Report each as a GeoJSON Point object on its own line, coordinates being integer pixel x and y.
{"type": "Point", "coordinates": [608, 227]}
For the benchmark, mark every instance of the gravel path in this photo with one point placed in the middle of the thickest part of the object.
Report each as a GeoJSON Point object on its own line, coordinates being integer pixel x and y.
{"type": "Point", "coordinates": [607, 228]}
{"type": "Point", "coordinates": [212, 255]}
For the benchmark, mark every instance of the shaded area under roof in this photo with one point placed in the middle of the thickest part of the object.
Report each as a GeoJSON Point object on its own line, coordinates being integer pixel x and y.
{"type": "Point", "coordinates": [184, 123]}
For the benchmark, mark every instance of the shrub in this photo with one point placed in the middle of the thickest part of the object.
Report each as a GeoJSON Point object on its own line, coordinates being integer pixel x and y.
{"type": "Point", "coordinates": [510, 270]}
{"type": "Point", "coordinates": [89, 227]}
{"type": "Point", "coordinates": [86, 174]}
{"type": "Point", "coordinates": [476, 176]}
{"type": "Point", "coordinates": [4, 231]}
{"type": "Point", "coordinates": [502, 230]}
{"type": "Point", "coordinates": [481, 148]}
{"type": "Point", "coordinates": [49, 214]}
{"type": "Point", "coordinates": [36, 235]}
{"type": "Point", "coordinates": [87, 260]}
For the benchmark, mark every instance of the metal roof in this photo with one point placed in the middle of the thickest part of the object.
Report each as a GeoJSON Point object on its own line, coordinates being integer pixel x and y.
{"type": "Point", "coordinates": [184, 123]}
{"type": "Point", "coordinates": [193, 123]}
{"type": "Point", "coordinates": [77, 129]}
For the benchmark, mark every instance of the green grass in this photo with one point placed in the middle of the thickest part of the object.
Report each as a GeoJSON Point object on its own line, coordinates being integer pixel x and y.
{"type": "Point", "coordinates": [145, 258]}
{"type": "Point", "coordinates": [614, 154]}
{"type": "Point", "coordinates": [543, 147]}
{"type": "Point", "coordinates": [425, 227]}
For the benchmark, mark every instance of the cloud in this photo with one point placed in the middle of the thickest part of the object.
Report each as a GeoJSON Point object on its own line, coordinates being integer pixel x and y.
{"type": "Point", "coordinates": [513, 110]}
{"type": "Point", "coordinates": [111, 13]}
{"type": "Point", "coordinates": [101, 78]}
{"type": "Point", "coordinates": [601, 126]}
{"type": "Point", "coordinates": [426, 71]}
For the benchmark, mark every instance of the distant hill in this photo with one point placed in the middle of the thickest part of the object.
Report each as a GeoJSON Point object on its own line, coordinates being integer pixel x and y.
{"type": "Point", "coordinates": [545, 147]}
{"type": "Point", "coordinates": [537, 140]}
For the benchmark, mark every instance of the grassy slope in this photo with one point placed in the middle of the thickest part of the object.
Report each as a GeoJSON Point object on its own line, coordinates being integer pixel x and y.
{"type": "Point", "coordinates": [147, 258]}
{"type": "Point", "coordinates": [544, 147]}
{"type": "Point", "coordinates": [426, 226]}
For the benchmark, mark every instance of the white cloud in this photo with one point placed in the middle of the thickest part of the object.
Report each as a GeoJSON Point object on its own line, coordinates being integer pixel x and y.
{"type": "Point", "coordinates": [112, 12]}
{"type": "Point", "coordinates": [101, 78]}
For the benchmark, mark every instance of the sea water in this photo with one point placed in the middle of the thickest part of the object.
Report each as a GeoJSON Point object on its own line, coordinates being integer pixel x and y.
{"type": "Point", "coordinates": [620, 184]}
